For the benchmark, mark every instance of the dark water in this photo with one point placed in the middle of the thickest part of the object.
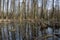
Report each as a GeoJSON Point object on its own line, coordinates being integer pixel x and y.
{"type": "Point", "coordinates": [17, 31]}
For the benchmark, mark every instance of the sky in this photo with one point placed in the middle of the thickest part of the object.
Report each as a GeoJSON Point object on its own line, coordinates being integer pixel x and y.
{"type": "Point", "coordinates": [48, 6]}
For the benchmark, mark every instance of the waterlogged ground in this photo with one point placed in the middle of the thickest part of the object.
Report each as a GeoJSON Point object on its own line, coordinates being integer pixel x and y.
{"type": "Point", "coordinates": [16, 31]}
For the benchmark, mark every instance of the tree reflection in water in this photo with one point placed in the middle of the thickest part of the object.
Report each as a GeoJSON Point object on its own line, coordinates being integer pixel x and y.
{"type": "Point", "coordinates": [14, 31]}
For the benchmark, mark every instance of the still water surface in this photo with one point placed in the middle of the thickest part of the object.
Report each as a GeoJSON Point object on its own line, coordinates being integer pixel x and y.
{"type": "Point", "coordinates": [15, 31]}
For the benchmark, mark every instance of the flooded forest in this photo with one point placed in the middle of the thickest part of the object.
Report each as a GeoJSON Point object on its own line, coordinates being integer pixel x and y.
{"type": "Point", "coordinates": [29, 19]}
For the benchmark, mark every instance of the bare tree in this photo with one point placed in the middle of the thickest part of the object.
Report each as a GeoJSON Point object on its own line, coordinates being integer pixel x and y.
{"type": "Point", "coordinates": [0, 17]}
{"type": "Point", "coordinates": [18, 8]}
{"type": "Point", "coordinates": [0, 8]}
{"type": "Point", "coordinates": [7, 8]}
{"type": "Point", "coordinates": [44, 8]}
{"type": "Point", "coordinates": [12, 8]}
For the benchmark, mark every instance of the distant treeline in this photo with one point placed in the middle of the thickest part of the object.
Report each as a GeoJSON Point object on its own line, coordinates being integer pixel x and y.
{"type": "Point", "coordinates": [46, 10]}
